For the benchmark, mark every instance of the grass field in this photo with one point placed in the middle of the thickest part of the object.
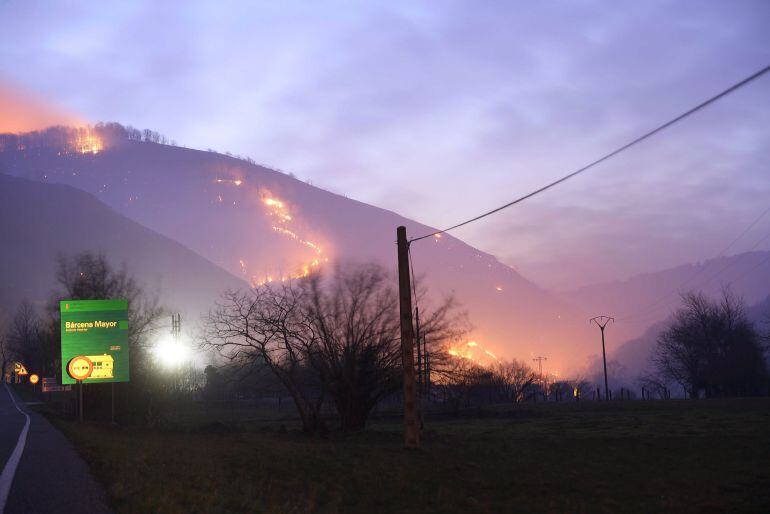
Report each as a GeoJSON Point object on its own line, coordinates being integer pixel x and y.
{"type": "Point", "coordinates": [675, 456]}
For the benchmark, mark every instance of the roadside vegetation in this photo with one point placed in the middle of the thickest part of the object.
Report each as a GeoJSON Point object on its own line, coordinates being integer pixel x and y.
{"type": "Point", "coordinates": [299, 410]}
{"type": "Point", "coordinates": [641, 456]}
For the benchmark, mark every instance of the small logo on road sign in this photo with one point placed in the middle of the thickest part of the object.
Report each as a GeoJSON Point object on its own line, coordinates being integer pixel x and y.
{"type": "Point", "coordinates": [80, 367]}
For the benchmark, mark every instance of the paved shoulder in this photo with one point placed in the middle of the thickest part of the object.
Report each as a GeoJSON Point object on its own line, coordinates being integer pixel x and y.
{"type": "Point", "coordinates": [11, 424]}
{"type": "Point", "coordinates": [51, 477]}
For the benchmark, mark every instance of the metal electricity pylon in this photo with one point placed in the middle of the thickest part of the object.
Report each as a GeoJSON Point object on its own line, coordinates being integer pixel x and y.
{"type": "Point", "coordinates": [601, 322]}
{"type": "Point", "coordinates": [540, 360]}
{"type": "Point", "coordinates": [176, 326]}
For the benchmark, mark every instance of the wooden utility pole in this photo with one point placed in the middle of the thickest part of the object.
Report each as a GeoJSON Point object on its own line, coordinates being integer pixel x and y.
{"type": "Point", "coordinates": [411, 424]}
{"type": "Point", "coordinates": [427, 371]}
{"type": "Point", "coordinates": [419, 352]}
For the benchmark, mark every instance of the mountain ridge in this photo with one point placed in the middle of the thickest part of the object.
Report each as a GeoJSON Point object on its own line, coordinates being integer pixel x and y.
{"type": "Point", "coordinates": [261, 224]}
{"type": "Point", "coordinates": [217, 206]}
{"type": "Point", "coordinates": [55, 218]}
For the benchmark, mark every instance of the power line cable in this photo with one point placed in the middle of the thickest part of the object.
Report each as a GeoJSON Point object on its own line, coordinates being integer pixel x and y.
{"type": "Point", "coordinates": [607, 156]}
{"type": "Point", "coordinates": [745, 231]}
{"type": "Point", "coordinates": [654, 304]}
{"type": "Point", "coordinates": [738, 279]}
{"type": "Point", "coordinates": [748, 272]}
{"type": "Point", "coordinates": [733, 262]}
{"type": "Point", "coordinates": [729, 265]}
{"type": "Point", "coordinates": [411, 270]}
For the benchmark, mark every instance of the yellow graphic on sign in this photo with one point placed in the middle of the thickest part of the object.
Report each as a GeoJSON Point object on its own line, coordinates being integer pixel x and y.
{"type": "Point", "coordinates": [19, 369]}
{"type": "Point", "coordinates": [80, 367]}
{"type": "Point", "coordinates": [103, 365]}
{"type": "Point", "coordinates": [33, 379]}
{"type": "Point", "coordinates": [91, 366]}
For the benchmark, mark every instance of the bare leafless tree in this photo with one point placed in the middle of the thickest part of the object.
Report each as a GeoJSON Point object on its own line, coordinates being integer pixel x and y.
{"type": "Point", "coordinates": [711, 347]}
{"type": "Point", "coordinates": [7, 353]}
{"type": "Point", "coordinates": [514, 380]}
{"type": "Point", "coordinates": [26, 335]}
{"type": "Point", "coordinates": [357, 351]}
{"type": "Point", "coordinates": [268, 326]}
{"type": "Point", "coordinates": [90, 276]}
{"type": "Point", "coordinates": [334, 335]}
{"type": "Point", "coordinates": [459, 379]}
{"type": "Point", "coordinates": [655, 386]}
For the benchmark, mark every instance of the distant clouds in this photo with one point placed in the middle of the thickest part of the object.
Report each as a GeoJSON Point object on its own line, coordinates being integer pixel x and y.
{"type": "Point", "coordinates": [442, 110]}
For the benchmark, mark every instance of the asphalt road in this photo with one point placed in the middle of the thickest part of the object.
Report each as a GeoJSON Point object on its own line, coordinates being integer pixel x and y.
{"type": "Point", "coordinates": [51, 477]}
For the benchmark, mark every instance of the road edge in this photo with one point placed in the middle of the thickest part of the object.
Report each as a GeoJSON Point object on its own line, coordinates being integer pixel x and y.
{"type": "Point", "coordinates": [9, 471]}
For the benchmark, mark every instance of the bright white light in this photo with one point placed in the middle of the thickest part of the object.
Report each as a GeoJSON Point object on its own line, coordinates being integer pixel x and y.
{"type": "Point", "coordinates": [170, 353]}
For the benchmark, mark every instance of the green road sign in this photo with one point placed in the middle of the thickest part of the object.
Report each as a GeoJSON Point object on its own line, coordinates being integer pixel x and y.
{"type": "Point", "coordinates": [94, 341]}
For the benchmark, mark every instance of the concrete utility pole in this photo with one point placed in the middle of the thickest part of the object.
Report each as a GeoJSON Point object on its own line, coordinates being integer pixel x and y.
{"type": "Point", "coordinates": [601, 322]}
{"type": "Point", "coordinates": [411, 433]}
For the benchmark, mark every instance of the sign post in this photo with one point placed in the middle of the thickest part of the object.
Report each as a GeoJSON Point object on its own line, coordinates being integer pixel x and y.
{"type": "Point", "coordinates": [94, 344]}
{"type": "Point", "coordinates": [80, 400]}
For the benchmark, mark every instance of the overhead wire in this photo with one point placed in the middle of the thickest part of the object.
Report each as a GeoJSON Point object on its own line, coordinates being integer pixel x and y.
{"type": "Point", "coordinates": [615, 152]}
{"type": "Point", "coordinates": [646, 314]}
{"type": "Point", "coordinates": [655, 303]}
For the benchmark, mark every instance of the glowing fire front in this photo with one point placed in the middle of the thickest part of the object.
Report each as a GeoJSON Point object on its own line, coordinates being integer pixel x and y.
{"type": "Point", "coordinates": [278, 210]}
{"type": "Point", "coordinates": [62, 140]}
{"type": "Point", "coordinates": [86, 142]}
{"type": "Point", "coordinates": [282, 222]}
{"type": "Point", "coordinates": [472, 351]}
{"type": "Point", "coordinates": [83, 141]}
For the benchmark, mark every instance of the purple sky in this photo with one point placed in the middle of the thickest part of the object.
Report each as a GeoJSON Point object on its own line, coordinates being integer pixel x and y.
{"type": "Point", "coordinates": [442, 110]}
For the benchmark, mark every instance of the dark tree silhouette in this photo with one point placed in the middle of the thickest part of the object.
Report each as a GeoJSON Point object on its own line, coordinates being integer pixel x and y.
{"type": "Point", "coordinates": [268, 326]}
{"type": "Point", "coordinates": [90, 276]}
{"type": "Point", "coordinates": [25, 339]}
{"type": "Point", "coordinates": [514, 381]}
{"type": "Point", "coordinates": [357, 352]}
{"type": "Point", "coordinates": [334, 336]}
{"type": "Point", "coordinates": [712, 347]}
{"type": "Point", "coordinates": [7, 355]}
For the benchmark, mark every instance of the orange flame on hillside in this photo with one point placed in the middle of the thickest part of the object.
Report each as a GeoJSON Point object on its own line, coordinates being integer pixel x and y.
{"type": "Point", "coordinates": [236, 182]}
{"type": "Point", "coordinates": [86, 142]}
{"type": "Point", "coordinates": [23, 112]}
{"type": "Point", "coordinates": [472, 351]}
{"type": "Point", "coordinates": [278, 211]}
